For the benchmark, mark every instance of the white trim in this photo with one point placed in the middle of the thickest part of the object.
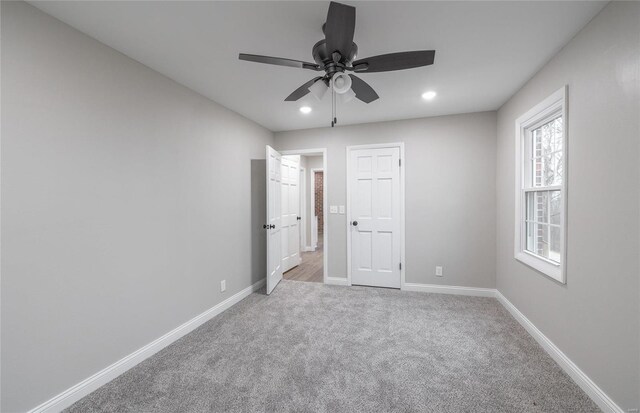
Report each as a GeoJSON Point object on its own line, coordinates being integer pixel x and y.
{"type": "Point", "coordinates": [80, 390]}
{"type": "Point", "coordinates": [305, 152]}
{"type": "Point", "coordinates": [596, 394]}
{"type": "Point", "coordinates": [312, 183]}
{"type": "Point", "coordinates": [336, 281]}
{"type": "Point", "coordinates": [552, 104]}
{"type": "Point", "coordinates": [303, 209]}
{"type": "Point", "coordinates": [449, 289]}
{"type": "Point", "coordinates": [399, 145]}
{"type": "Point", "coordinates": [325, 202]}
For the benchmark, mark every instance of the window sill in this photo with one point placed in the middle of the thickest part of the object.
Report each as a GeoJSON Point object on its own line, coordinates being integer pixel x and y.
{"type": "Point", "coordinates": [551, 270]}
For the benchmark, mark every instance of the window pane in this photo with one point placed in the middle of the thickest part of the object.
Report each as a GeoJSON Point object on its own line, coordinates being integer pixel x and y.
{"type": "Point", "coordinates": [547, 157]}
{"type": "Point", "coordinates": [558, 134]}
{"type": "Point", "coordinates": [537, 142]}
{"type": "Point", "coordinates": [555, 205]}
{"type": "Point", "coordinates": [530, 228]}
{"type": "Point", "coordinates": [543, 240]}
{"type": "Point", "coordinates": [554, 176]}
{"type": "Point", "coordinates": [554, 248]}
{"type": "Point", "coordinates": [537, 206]}
{"type": "Point", "coordinates": [547, 138]}
{"type": "Point", "coordinates": [531, 237]}
{"type": "Point", "coordinates": [538, 171]}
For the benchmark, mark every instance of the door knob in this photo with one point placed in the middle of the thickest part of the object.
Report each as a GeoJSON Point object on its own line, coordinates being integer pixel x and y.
{"type": "Point", "coordinates": [298, 218]}
{"type": "Point", "coordinates": [354, 223]}
{"type": "Point", "coordinates": [265, 226]}
{"type": "Point", "coordinates": [272, 226]}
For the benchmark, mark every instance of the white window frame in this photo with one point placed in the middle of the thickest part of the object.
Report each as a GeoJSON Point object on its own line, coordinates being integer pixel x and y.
{"type": "Point", "coordinates": [554, 104]}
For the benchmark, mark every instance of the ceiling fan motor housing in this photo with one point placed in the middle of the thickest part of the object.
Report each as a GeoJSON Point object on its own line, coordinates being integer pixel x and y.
{"type": "Point", "coordinates": [325, 59]}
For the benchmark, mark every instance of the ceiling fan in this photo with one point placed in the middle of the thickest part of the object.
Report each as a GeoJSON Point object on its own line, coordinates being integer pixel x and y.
{"type": "Point", "coordinates": [336, 54]}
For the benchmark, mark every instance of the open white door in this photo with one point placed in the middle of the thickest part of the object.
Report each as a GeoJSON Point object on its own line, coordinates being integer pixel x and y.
{"type": "Point", "coordinates": [274, 212]}
{"type": "Point", "coordinates": [290, 212]}
{"type": "Point", "coordinates": [374, 214]}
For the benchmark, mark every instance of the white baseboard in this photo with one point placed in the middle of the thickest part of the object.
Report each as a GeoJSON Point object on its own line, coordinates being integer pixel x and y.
{"type": "Point", "coordinates": [80, 390]}
{"type": "Point", "coordinates": [75, 393]}
{"type": "Point", "coordinates": [336, 281]}
{"type": "Point", "coordinates": [596, 394]}
{"type": "Point", "coordinates": [449, 289]}
{"type": "Point", "coordinates": [308, 248]}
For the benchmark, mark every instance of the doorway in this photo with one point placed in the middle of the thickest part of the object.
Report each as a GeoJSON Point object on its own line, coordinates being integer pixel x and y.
{"type": "Point", "coordinates": [312, 199]}
{"type": "Point", "coordinates": [290, 211]}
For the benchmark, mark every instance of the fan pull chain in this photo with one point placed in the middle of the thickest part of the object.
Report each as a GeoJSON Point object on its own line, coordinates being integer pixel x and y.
{"type": "Point", "coordinates": [334, 110]}
{"type": "Point", "coordinates": [333, 106]}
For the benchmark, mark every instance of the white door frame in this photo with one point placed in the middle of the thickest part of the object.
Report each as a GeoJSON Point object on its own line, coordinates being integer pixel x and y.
{"type": "Point", "coordinates": [325, 207]}
{"type": "Point", "coordinates": [303, 209]}
{"type": "Point", "coordinates": [312, 183]}
{"type": "Point", "coordinates": [399, 145]}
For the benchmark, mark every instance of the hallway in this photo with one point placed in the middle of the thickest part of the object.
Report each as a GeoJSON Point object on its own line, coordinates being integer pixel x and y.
{"type": "Point", "coordinates": [311, 267]}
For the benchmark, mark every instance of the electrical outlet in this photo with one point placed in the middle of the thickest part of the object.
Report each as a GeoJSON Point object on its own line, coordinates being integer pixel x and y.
{"type": "Point", "coordinates": [341, 209]}
{"type": "Point", "coordinates": [438, 271]}
{"type": "Point", "coordinates": [333, 209]}
{"type": "Point", "coordinates": [223, 285]}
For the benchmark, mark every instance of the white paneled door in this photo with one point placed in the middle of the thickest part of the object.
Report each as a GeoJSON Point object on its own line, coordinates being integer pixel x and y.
{"type": "Point", "coordinates": [290, 219]}
{"type": "Point", "coordinates": [374, 216]}
{"type": "Point", "coordinates": [274, 217]}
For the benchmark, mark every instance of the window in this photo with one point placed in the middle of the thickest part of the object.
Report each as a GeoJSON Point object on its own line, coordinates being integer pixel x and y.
{"type": "Point", "coordinates": [541, 164]}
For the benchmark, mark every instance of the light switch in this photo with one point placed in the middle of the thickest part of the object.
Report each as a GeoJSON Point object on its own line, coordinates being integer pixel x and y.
{"type": "Point", "coordinates": [342, 209]}
{"type": "Point", "coordinates": [333, 209]}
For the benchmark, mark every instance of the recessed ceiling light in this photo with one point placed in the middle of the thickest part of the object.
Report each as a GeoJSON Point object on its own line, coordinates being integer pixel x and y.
{"type": "Point", "coordinates": [429, 95]}
{"type": "Point", "coordinates": [305, 109]}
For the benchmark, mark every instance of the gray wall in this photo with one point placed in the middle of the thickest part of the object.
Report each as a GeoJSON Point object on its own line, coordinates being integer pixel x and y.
{"type": "Point", "coordinates": [126, 198]}
{"type": "Point", "coordinates": [594, 318]}
{"type": "Point", "coordinates": [450, 192]}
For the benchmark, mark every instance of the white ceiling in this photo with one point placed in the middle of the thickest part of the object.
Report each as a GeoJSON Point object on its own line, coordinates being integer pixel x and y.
{"type": "Point", "coordinates": [485, 51]}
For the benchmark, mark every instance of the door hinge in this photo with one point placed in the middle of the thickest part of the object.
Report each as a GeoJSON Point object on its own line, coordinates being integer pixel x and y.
{"type": "Point", "coordinates": [400, 265]}
{"type": "Point", "coordinates": [399, 162]}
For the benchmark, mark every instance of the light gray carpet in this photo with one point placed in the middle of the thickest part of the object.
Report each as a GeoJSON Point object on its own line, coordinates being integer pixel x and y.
{"type": "Point", "coordinates": [316, 348]}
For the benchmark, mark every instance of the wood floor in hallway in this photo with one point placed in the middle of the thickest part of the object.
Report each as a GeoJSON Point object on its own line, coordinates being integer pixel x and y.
{"type": "Point", "coordinates": [311, 267]}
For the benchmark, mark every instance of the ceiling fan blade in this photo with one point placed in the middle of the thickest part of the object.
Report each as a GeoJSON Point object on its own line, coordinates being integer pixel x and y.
{"type": "Point", "coordinates": [394, 61]}
{"type": "Point", "coordinates": [339, 29]}
{"type": "Point", "coordinates": [302, 90]}
{"type": "Point", "coordinates": [363, 91]}
{"type": "Point", "coordinates": [278, 61]}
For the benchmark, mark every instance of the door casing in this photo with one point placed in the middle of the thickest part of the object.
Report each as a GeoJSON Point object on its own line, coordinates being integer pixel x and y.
{"type": "Point", "coordinates": [312, 180]}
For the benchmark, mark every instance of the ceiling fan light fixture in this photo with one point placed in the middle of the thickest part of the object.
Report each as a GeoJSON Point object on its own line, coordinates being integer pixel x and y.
{"type": "Point", "coordinates": [318, 89]}
{"type": "Point", "coordinates": [341, 83]}
{"type": "Point", "coordinates": [347, 96]}
{"type": "Point", "coordinates": [305, 109]}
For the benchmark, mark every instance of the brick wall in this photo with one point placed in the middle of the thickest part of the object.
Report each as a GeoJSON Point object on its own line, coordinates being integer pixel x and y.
{"type": "Point", "coordinates": [318, 180]}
